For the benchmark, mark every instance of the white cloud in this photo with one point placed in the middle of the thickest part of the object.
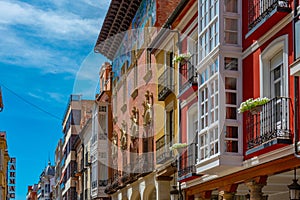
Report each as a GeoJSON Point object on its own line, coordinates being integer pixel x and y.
{"type": "Point", "coordinates": [98, 4]}
{"type": "Point", "coordinates": [48, 39]}
{"type": "Point", "coordinates": [52, 24]}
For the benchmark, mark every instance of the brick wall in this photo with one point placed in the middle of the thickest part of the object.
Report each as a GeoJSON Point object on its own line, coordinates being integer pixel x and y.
{"type": "Point", "coordinates": [164, 9]}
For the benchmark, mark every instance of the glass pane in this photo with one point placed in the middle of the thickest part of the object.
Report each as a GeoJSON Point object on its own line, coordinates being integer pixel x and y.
{"type": "Point", "coordinates": [230, 113]}
{"type": "Point", "coordinates": [277, 73]}
{"type": "Point", "coordinates": [231, 37]}
{"type": "Point", "coordinates": [277, 89]}
{"type": "Point", "coordinates": [211, 136]}
{"type": "Point", "coordinates": [216, 148]}
{"type": "Point", "coordinates": [231, 6]}
{"type": "Point", "coordinates": [231, 146]}
{"type": "Point", "coordinates": [231, 132]}
{"type": "Point", "coordinates": [230, 83]}
{"type": "Point", "coordinates": [231, 98]}
{"type": "Point", "coordinates": [231, 24]}
{"type": "Point", "coordinates": [231, 63]}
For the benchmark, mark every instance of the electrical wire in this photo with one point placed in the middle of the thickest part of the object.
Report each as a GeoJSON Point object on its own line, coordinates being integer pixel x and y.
{"type": "Point", "coordinates": [31, 104]}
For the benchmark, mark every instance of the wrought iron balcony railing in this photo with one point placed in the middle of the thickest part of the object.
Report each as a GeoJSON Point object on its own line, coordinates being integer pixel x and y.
{"type": "Point", "coordinates": [271, 123]}
{"type": "Point", "coordinates": [166, 83]}
{"type": "Point", "coordinates": [188, 74]}
{"type": "Point", "coordinates": [187, 162]}
{"type": "Point", "coordinates": [163, 154]}
{"type": "Point", "coordinates": [102, 183]}
{"type": "Point", "coordinates": [260, 9]}
{"type": "Point", "coordinates": [114, 183]}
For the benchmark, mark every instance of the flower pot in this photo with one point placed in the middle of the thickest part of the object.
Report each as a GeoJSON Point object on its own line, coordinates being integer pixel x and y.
{"type": "Point", "coordinates": [256, 110]}
{"type": "Point", "coordinates": [179, 151]}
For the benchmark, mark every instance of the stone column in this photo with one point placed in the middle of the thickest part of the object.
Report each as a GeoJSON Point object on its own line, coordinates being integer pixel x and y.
{"type": "Point", "coordinates": [227, 192]}
{"type": "Point", "coordinates": [255, 190]}
{"type": "Point", "coordinates": [203, 196]}
{"type": "Point", "coordinates": [163, 189]}
{"type": "Point", "coordinates": [223, 195]}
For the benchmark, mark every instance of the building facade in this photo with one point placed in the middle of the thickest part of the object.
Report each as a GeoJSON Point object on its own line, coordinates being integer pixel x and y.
{"type": "Point", "coordinates": [32, 192]}
{"type": "Point", "coordinates": [135, 104]}
{"type": "Point", "coordinates": [46, 183]}
{"type": "Point", "coordinates": [101, 135]}
{"type": "Point", "coordinates": [58, 170]}
{"type": "Point", "coordinates": [83, 160]}
{"type": "Point", "coordinates": [4, 158]}
{"type": "Point", "coordinates": [77, 114]}
{"type": "Point", "coordinates": [247, 155]}
{"type": "Point", "coordinates": [232, 58]}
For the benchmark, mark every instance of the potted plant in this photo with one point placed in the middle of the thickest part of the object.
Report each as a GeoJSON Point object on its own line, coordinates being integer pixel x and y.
{"type": "Point", "coordinates": [253, 105]}
{"type": "Point", "coordinates": [184, 57]}
{"type": "Point", "coordinates": [178, 147]}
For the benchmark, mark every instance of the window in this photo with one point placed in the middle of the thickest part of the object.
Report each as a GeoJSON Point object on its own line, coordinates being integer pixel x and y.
{"type": "Point", "coordinates": [193, 49]}
{"type": "Point", "coordinates": [47, 188]}
{"type": "Point", "coordinates": [208, 26]}
{"type": "Point", "coordinates": [104, 171]}
{"type": "Point", "coordinates": [213, 141]}
{"type": "Point", "coordinates": [231, 95]}
{"type": "Point", "coordinates": [274, 70]}
{"type": "Point", "coordinates": [231, 31]}
{"type": "Point", "coordinates": [231, 6]}
{"type": "Point", "coordinates": [208, 10]}
{"type": "Point", "coordinates": [102, 126]}
{"type": "Point", "coordinates": [208, 40]}
{"type": "Point", "coordinates": [203, 142]}
{"type": "Point", "coordinates": [231, 139]}
{"type": "Point", "coordinates": [170, 127]}
{"type": "Point", "coordinates": [231, 63]}
{"type": "Point", "coordinates": [94, 175]}
{"type": "Point", "coordinates": [208, 112]}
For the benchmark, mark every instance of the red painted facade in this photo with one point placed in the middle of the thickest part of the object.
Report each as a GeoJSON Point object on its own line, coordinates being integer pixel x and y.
{"type": "Point", "coordinates": [251, 63]}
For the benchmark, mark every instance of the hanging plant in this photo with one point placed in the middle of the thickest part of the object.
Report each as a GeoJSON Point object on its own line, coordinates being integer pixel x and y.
{"type": "Point", "coordinates": [182, 57]}
{"type": "Point", "coordinates": [252, 104]}
{"type": "Point", "coordinates": [178, 146]}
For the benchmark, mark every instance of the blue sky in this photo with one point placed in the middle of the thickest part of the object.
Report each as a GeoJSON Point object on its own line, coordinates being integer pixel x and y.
{"type": "Point", "coordinates": [46, 48]}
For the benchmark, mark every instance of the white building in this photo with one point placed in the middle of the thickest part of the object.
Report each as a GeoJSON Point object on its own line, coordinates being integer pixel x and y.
{"type": "Point", "coordinates": [46, 182]}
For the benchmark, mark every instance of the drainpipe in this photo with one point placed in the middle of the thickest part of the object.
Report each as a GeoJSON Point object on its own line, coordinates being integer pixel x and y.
{"type": "Point", "coordinates": [296, 89]}
{"type": "Point", "coordinates": [296, 116]}
{"type": "Point", "coordinates": [83, 171]}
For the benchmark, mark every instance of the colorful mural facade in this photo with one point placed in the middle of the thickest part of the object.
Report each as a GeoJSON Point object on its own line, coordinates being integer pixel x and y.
{"type": "Point", "coordinates": [134, 39]}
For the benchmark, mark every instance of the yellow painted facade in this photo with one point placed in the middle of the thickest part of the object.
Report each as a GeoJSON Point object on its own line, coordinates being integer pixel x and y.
{"type": "Point", "coordinates": [4, 158]}
{"type": "Point", "coordinates": [167, 76]}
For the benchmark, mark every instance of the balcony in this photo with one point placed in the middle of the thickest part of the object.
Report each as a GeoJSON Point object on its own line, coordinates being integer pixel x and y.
{"type": "Point", "coordinates": [114, 183]}
{"type": "Point", "coordinates": [163, 154]}
{"type": "Point", "coordinates": [144, 165]}
{"type": "Point", "coordinates": [187, 162]}
{"type": "Point", "coordinates": [269, 126]}
{"type": "Point", "coordinates": [166, 84]}
{"type": "Point", "coordinates": [260, 9]}
{"type": "Point", "coordinates": [188, 75]}
{"type": "Point", "coordinates": [103, 183]}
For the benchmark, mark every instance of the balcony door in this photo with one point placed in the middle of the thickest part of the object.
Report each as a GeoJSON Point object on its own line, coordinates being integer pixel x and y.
{"type": "Point", "coordinates": [277, 76]}
{"type": "Point", "coordinates": [277, 89]}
